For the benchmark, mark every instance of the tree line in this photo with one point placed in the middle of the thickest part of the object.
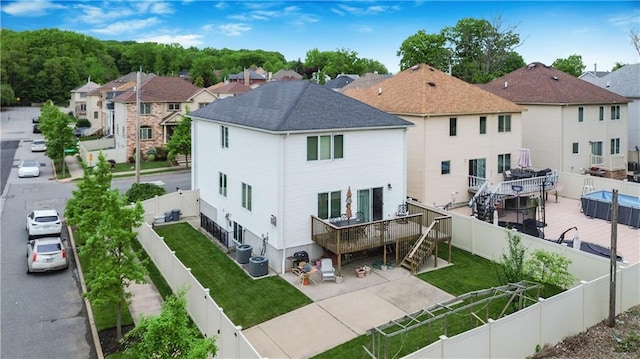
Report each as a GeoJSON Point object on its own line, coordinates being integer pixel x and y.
{"type": "Point", "coordinates": [41, 65]}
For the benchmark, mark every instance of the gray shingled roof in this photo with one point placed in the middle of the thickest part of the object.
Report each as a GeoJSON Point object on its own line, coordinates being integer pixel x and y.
{"type": "Point", "coordinates": [624, 81]}
{"type": "Point", "coordinates": [289, 106]}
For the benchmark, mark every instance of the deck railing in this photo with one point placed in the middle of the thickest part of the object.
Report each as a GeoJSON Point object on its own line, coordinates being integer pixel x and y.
{"type": "Point", "coordinates": [611, 163]}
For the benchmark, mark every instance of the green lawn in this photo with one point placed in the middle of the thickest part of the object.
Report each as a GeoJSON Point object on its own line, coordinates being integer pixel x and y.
{"type": "Point", "coordinates": [126, 166]}
{"type": "Point", "coordinates": [245, 301]}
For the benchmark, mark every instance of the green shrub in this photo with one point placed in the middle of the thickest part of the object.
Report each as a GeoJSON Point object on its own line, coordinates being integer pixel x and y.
{"type": "Point", "coordinates": [83, 122]}
{"type": "Point", "coordinates": [143, 191]}
{"type": "Point", "coordinates": [161, 154]}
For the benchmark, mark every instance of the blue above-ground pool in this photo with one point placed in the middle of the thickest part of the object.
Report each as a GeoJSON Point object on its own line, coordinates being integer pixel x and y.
{"type": "Point", "coordinates": [598, 205]}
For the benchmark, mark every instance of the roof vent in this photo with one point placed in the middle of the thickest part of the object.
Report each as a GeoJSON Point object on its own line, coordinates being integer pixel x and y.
{"type": "Point", "coordinates": [506, 84]}
{"type": "Point", "coordinates": [530, 66]}
{"type": "Point", "coordinates": [414, 67]}
{"type": "Point", "coordinates": [608, 84]}
{"type": "Point", "coordinates": [379, 90]}
{"type": "Point", "coordinates": [555, 77]}
{"type": "Point", "coordinates": [431, 69]}
{"type": "Point", "coordinates": [431, 83]}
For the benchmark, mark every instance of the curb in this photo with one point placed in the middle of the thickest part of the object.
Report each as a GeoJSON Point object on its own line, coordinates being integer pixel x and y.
{"type": "Point", "coordinates": [92, 323]}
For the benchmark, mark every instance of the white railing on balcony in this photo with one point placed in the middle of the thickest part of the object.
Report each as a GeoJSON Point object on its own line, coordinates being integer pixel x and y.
{"type": "Point", "coordinates": [611, 163]}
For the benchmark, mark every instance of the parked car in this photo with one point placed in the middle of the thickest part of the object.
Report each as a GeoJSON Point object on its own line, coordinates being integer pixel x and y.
{"type": "Point", "coordinates": [35, 120]}
{"type": "Point", "coordinates": [38, 146]}
{"type": "Point", "coordinates": [36, 128]}
{"type": "Point", "coordinates": [46, 254]}
{"type": "Point", "coordinates": [29, 168]}
{"type": "Point", "coordinates": [78, 131]}
{"type": "Point", "coordinates": [44, 222]}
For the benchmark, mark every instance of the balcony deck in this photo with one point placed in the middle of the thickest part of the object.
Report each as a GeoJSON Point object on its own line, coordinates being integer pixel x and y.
{"type": "Point", "coordinates": [399, 233]}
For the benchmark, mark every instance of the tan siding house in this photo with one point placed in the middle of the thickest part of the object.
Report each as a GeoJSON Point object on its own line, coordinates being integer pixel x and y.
{"type": "Point", "coordinates": [460, 131]}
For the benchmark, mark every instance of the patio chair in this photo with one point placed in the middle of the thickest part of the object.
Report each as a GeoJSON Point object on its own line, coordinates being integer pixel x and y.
{"type": "Point", "coordinates": [327, 270]}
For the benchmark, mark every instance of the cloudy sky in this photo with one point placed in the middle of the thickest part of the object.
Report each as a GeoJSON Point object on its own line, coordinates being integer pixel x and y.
{"type": "Point", "coordinates": [596, 30]}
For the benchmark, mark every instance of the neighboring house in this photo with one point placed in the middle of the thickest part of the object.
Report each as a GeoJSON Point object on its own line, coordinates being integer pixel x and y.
{"type": "Point", "coordinates": [266, 161]}
{"type": "Point", "coordinates": [100, 101]}
{"type": "Point", "coordinates": [79, 99]}
{"type": "Point", "coordinates": [222, 90]}
{"type": "Point", "coordinates": [340, 81]}
{"type": "Point", "coordinates": [248, 78]}
{"type": "Point", "coordinates": [460, 131]}
{"type": "Point", "coordinates": [569, 125]}
{"type": "Point", "coordinates": [286, 75]}
{"type": "Point", "coordinates": [625, 81]}
{"type": "Point", "coordinates": [164, 101]}
{"type": "Point", "coordinates": [369, 79]}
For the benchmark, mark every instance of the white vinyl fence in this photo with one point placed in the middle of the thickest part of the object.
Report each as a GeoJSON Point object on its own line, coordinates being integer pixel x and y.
{"type": "Point", "coordinates": [576, 309]}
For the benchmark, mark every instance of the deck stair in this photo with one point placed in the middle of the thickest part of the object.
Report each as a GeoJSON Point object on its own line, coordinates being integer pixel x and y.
{"type": "Point", "coordinates": [421, 251]}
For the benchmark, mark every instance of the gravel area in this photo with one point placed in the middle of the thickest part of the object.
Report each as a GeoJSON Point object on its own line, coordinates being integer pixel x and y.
{"type": "Point", "coordinates": [601, 341]}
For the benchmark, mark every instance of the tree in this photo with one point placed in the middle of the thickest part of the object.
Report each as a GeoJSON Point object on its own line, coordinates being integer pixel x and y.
{"type": "Point", "coordinates": [572, 65]}
{"type": "Point", "coordinates": [180, 141]}
{"type": "Point", "coordinates": [84, 208]}
{"type": "Point", "coordinates": [550, 268]}
{"type": "Point", "coordinates": [55, 128]}
{"type": "Point", "coordinates": [143, 191]}
{"type": "Point", "coordinates": [7, 96]}
{"type": "Point", "coordinates": [512, 269]}
{"type": "Point", "coordinates": [617, 66]}
{"type": "Point", "coordinates": [482, 50]}
{"type": "Point", "coordinates": [168, 335]}
{"type": "Point", "coordinates": [424, 48]}
{"type": "Point", "coordinates": [113, 263]}
{"type": "Point", "coordinates": [634, 36]}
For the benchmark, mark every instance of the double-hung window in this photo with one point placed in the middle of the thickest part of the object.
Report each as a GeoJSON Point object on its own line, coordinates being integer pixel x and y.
{"type": "Point", "coordinates": [329, 205]}
{"type": "Point", "coordinates": [325, 147]}
{"type": "Point", "coordinates": [174, 106]}
{"type": "Point", "coordinates": [575, 148]}
{"type": "Point", "coordinates": [246, 196]}
{"type": "Point", "coordinates": [580, 114]}
{"type": "Point", "coordinates": [601, 113]}
{"type": "Point", "coordinates": [615, 146]}
{"type": "Point", "coordinates": [145, 108]}
{"type": "Point", "coordinates": [224, 136]}
{"type": "Point", "coordinates": [445, 167]}
{"type": "Point", "coordinates": [615, 112]}
{"type": "Point", "coordinates": [504, 162]}
{"type": "Point", "coordinates": [483, 125]}
{"type": "Point", "coordinates": [453, 126]}
{"type": "Point", "coordinates": [146, 133]}
{"type": "Point", "coordinates": [222, 184]}
{"type": "Point", "coordinates": [504, 123]}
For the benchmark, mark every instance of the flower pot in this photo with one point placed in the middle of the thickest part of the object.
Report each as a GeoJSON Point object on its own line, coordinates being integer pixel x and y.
{"type": "Point", "coordinates": [360, 273]}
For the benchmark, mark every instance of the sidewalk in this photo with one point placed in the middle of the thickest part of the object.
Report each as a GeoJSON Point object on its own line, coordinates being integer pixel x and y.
{"type": "Point", "coordinates": [73, 167]}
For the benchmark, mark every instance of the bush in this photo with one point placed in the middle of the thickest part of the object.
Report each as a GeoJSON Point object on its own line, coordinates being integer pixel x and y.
{"type": "Point", "coordinates": [83, 122]}
{"type": "Point", "coordinates": [161, 154]}
{"type": "Point", "coordinates": [143, 191]}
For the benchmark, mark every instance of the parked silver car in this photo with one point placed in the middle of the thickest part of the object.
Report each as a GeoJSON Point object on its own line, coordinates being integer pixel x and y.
{"type": "Point", "coordinates": [38, 146]}
{"type": "Point", "coordinates": [46, 254]}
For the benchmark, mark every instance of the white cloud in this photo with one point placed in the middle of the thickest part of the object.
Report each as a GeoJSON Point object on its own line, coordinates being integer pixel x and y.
{"type": "Point", "coordinates": [184, 40]}
{"type": "Point", "coordinates": [343, 9]}
{"type": "Point", "coordinates": [221, 5]}
{"type": "Point", "coordinates": [626, 19]}
{"type": "Point", "coordinates": [364, 29]}
{"type": "Point", "coordinates": [96, 15]}
{"type": "Point", "coordinates": [233, 29]}
{"type": "Point", "coordinates": [128, 26]}
{"type": "Point", "coordinates": [301, 20]}
{"type": "Point", "coordinates": [31, 8]}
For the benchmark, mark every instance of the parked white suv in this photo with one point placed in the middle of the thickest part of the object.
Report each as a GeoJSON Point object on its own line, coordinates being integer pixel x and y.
{"type": "Point", "coordinates": [44, 222]}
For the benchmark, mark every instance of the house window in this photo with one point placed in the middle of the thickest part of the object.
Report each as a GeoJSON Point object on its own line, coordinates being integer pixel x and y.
{"type": "Point", "coordinates": [329, 205]}
{"type": "Point", "coordinates": [146, 133]}
{"type": "Point", "coordinates": [222, 184]}
{"type": "Point", "coordinates": [601, 114]}
{"type": "Point", "coordinates": [504, 162]}
{"type": "Point", "coordinates": [504, 123]}
{"type": "Point", "coordinates": [483, 125]}
{"type": "Point", "coordinates": [615, 112]}
{"type": "Point", "coordinates": [224, 136]}
{"type": "Point", "coordinates": [325, 147]}
{"type": "Point", "coordinates": [95, 114]}
{"type": "Point", "coordinates": [575, 148]}
{"type": "Point", "coordinates": [445, 167]}
{"type": "Point", "coordinates": [452, 126]}
{"type": "Point", "coordinates": [615, 146]}
{"type": "Point", "coordinates": [580, 114]}
{"type": "Point", "coordinates": [202, 104]}
{"type": "Point", "coordinates": [174, 107]}
{"type": "Point", "coordinates": [83, 107]}
{"type": "Point", "coordinates": [145, 108]}
{"type": "Point", "coordinates": [246, 196]}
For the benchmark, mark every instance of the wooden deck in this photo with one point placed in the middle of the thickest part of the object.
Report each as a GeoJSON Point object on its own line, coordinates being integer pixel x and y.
{"type": "Point", "coordinates": [399, 233]}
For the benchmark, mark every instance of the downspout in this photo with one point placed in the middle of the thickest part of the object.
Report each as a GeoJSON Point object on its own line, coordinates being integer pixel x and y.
{"type": "Point", "coordinates": [280, 232]}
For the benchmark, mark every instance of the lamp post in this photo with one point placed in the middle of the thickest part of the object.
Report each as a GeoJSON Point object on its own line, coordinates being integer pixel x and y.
{"type": "Point", "coordinates": [138, 128]}
{"type": "Point", "coordinates": [517, 189]}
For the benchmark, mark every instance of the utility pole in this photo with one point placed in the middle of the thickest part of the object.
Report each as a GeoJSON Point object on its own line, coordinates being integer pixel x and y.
{"type": "Point", "coordinates": [613, 258]}
{"type": "Point", "coordinates": [138, 126]}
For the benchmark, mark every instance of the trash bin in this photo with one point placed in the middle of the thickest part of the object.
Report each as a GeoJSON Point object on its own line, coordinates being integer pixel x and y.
{"type": "Point", "coordinates": [243, 253]}
{"type": "Point", "coordinates": [167, 216]}
{"type": "Point", "coordinates": [175, 215]}
{"type": "Point", "coordinates": [258, 266]}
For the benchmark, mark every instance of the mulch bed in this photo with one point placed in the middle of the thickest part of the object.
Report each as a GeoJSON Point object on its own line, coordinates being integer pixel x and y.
{"type": "Point", "coordinates": [108, 340]}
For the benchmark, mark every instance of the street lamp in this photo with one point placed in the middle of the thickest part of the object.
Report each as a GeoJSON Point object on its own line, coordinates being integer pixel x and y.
{"type": "Point", "coordinates": [517, 189]}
